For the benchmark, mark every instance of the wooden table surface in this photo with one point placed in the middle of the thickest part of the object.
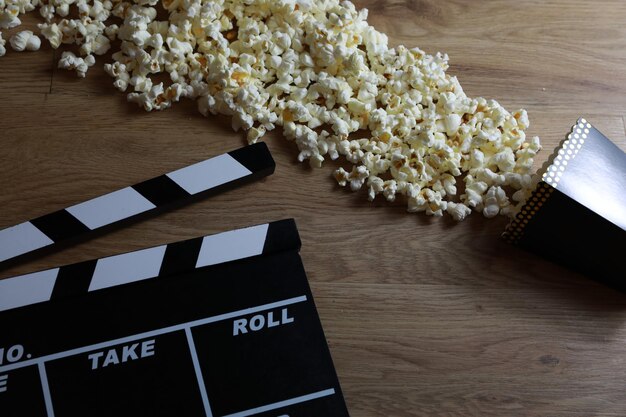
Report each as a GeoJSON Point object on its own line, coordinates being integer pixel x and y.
{"type": "Point", "coordinates": [424, 317]}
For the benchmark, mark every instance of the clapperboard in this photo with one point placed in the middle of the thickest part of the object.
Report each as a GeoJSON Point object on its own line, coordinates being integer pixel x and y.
{"type": "Point", "coordinates": [222, 325]}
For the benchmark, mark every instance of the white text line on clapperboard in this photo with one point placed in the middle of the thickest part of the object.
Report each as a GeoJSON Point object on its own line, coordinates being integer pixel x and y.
{"type": "Point", "coordinates": [260, 322]}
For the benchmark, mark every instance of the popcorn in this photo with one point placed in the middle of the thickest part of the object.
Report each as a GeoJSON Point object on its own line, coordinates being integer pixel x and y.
{"type": "Point", "coordinates": [119, 72]}
{"type": "Point", "coordinates": [63, 9]}
{"type": "Point", "coordinates": [3, 50]}
{"type": "Point", "coordinates": [52, 33]}
{"type": "Point", "coordinates": [458, 211]}
{"type": "Point", "coordinates": [322, 73]}
{"type": "Point", "coordinates": [9, 17]}
{"type": "Point", "coordinates": [494, 201]}
{"type": "Point", "coordinates": [47, 12]}
{"type": "Point", "coordinates": [69, 61]}
{"type": "Point", "coordinates": [25, 40]}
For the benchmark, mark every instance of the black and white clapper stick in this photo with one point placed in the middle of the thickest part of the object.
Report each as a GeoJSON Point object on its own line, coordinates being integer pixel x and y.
{"type": "Point", "coordinates": [100, 214]}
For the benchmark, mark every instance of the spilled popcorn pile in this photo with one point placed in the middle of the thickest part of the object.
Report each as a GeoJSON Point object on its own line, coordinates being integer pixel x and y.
{"type": "Point", "coordinates": [318, 70]}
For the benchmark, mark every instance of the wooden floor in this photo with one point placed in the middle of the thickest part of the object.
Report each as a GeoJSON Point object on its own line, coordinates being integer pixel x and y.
{"type": "Point", "coordinates": [424, 317]}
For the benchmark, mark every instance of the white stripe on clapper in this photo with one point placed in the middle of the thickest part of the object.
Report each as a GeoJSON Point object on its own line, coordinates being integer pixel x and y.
{"type": "Point", "coordinates": [27, 289]}
{"type": "Point", "coordinates": [128, 267]}
{"type": "Point", "coordinates": [286, 403]}
{"type": "Point", "coordinates": [209, 174]}
{"type": "Point", "coordinates": [110, 208]}
{"type": "Point", "coordinates": [229, 246]}
{"type": "Point", "coordinates": [196, 366]}
{"type": "Point", "coordinates": [20, 239]}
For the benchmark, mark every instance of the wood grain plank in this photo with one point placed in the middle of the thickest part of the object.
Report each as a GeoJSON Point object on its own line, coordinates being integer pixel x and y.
{"type": "Point", "coordinates": [436, 350]}
{"type": "Point", "coordinates": [25, 73]}
{"type": "Point", "coordinates": [511, 50]}
{"type": "Point", "coordinates": [424, 317]}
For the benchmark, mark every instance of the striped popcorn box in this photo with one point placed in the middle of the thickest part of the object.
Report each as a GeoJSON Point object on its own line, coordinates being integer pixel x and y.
{"type": "Point", "coordinates": [576, 215]}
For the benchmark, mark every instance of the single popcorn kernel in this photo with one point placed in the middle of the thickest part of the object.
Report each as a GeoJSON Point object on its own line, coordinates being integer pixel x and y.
{"type": "Point", "coordinates": [288, 116]}
{"type": "Point", "coordinates": [168, 4]}
{"type": "Point", "coordinates": [231, 35]}
{"type": "Point", "coordinates": [385, 137]}
{"type": "Point", "coordinates": [240, 77]}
